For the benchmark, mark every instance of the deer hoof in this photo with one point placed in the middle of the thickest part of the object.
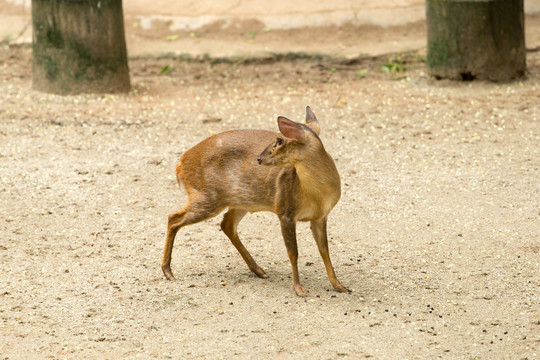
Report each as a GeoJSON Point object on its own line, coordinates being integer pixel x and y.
{"type": "Point", "coordinates": [300, 291]}
{"type": "Point", "coordinates": [260, 272]}
{"type": "Point", "coordinates": [340, 288]}
{"type": "Point", "coordinates": [168, 273]}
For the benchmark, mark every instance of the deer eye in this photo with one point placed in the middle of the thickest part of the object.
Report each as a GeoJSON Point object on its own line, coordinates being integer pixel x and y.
{"type": "Point", "coordinates": [279, 141]}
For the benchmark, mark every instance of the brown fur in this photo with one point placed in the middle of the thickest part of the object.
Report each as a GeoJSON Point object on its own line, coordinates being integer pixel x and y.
{"type": "Point", "coordinates": [300, 182]}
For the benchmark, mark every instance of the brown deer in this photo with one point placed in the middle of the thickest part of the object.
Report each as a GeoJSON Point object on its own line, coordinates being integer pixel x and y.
{"type": "Point", "coordinates": [298, 181]}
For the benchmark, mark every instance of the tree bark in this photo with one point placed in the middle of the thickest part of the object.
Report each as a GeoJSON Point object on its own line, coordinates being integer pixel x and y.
{"type": "Point", "coordinates": [476, 39]}
{"type": "Point", "coordinates": [79, 46]}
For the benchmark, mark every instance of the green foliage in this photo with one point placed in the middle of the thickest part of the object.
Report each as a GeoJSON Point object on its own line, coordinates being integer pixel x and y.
{"type": "Point", "coordinates": [361, 73]}
{"type": "Point", "coordinates": [394, 65]}
{"type": "Point", "coordinates": [165, 70]}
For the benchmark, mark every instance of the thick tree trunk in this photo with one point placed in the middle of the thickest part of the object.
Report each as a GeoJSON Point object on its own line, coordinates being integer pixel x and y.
{"type": "Point", "coordinates": [79, 46]}
{"type": "Point", "coordinates": [476, 39]}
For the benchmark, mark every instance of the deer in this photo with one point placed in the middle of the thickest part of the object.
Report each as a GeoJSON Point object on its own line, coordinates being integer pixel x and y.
{"type": "Point", "coordinates": [293, 177]}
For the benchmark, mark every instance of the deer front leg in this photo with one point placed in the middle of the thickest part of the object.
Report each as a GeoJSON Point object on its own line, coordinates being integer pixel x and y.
{"type": "Point", "coordinates": [318, 228]}
{"type": "Point", "coordinates": [288, 230]}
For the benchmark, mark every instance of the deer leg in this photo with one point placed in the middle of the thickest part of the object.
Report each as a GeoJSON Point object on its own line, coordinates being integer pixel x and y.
{"type": "Point", "coordinates": [229, 225]}
{"type": "Point", "coordinates": [174, 224]}
{"type": "Point", "coordinates": [192, 213]}
{"type": "Point", "coordinates": [318, 228]}
{"type": "Point", "coordinates": [288, 230]}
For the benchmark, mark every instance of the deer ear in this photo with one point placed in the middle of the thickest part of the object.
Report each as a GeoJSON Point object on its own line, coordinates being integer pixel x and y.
{"type": "Point", "coordinates": [291, 130]}
{"type": "Point", "coordinates": [311, 121]}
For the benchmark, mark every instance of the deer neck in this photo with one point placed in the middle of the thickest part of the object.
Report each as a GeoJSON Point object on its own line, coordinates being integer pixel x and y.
{"type": "Point", "coordinates": [319, 186]}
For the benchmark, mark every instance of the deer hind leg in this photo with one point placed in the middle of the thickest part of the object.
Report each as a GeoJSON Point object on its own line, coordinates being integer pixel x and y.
{"type": "Point", "coordinates": [318, 228]}
{"type": "Point", "coordinates": [192, 213]}
{"type": "Point", "coordinates": [229, 225]}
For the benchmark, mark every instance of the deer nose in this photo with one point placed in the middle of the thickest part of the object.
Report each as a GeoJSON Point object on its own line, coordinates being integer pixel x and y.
{"type": "Point", "coordinates": [259, 159]}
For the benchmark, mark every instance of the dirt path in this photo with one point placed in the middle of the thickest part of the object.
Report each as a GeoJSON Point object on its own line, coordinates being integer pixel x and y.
{"type": "Point", "coordinates": [437, 232]}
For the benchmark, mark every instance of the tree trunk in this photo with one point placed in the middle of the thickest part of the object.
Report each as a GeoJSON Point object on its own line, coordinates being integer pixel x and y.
{"type": "Point", "coordinates": [79, 46]}
{"type": "Point", "coordinates": [476, 39]}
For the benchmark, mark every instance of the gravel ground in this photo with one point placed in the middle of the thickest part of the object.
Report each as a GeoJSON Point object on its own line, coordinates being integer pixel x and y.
{"type": "Point", "coordinates": [437, 232]}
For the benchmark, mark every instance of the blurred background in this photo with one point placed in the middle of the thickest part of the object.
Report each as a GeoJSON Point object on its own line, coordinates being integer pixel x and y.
{"type": "Point", "coordinates": [341, 28]}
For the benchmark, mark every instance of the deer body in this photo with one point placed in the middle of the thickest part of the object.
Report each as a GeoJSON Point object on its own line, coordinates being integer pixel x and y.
{"type": "Point", "coordinates": [295, 178]}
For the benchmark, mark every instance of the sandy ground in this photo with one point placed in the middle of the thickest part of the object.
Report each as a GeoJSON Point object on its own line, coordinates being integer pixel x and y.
{"type": "Point", "coordinates": [437, 232]}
